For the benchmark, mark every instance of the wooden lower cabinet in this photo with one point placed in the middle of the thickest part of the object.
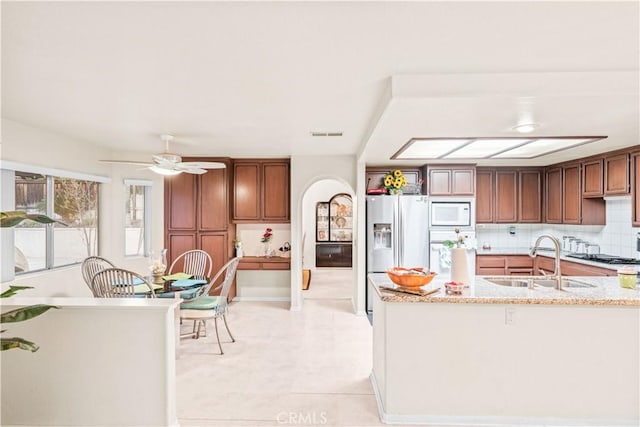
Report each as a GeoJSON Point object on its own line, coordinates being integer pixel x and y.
{"type": "Point", "coordinates": [524, 265]}
{"type": "Point", "coordinates": [501, 265]}
{"type": "Point", "coordinates": [569, 268]}
{"type": "Point", "coordinates": [333, 255]}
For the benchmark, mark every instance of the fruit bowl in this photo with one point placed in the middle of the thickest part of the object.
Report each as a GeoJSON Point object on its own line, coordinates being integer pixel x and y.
{"type": "Point", "coordinates": [410, 277]}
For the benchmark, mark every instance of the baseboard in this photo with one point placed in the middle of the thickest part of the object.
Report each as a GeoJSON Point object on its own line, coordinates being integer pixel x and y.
{"type": "Point", "coordinates": [485, 421]}
{"type": "Point", "coordinates": [266, 299]}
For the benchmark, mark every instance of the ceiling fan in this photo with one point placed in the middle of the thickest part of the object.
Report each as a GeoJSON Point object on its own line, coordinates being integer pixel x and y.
{"type": "Point", "coordinates": [171, 164]}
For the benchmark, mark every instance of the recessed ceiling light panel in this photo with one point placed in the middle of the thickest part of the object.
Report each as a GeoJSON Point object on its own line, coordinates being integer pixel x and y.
{"type": "Point", "coordinates": [429, 148]}
{"type": "Point", "coordinates": [488, 148]}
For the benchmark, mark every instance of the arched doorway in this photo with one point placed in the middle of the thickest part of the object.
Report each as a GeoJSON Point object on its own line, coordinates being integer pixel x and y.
{"type": "Point", "coordinates": [327, 280]}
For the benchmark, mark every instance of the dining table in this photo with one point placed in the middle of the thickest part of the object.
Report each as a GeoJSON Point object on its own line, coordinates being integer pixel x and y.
{"type": "Point", "coordinates": [179, 285]}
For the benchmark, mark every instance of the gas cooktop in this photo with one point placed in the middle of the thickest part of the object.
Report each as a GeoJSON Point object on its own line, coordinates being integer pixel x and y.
{"type": "Point", "coordinates": [606, 259]}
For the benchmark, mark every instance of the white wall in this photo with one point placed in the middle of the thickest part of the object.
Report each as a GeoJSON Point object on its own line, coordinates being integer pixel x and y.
{"type": "Point", "coordinates": [306, 170]}
{"type": "Point", "coordinates": [38, 147]}
{"type": "Point", "coordinates": [320, 191]}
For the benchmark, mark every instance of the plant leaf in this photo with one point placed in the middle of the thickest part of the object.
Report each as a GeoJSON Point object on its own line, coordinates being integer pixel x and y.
{"type": "Point", "coordinates": [13, 218]}
{"type": "Point", "coordinates": [13, 290]}
{"type": "Point", "coordinates": [24, 313]}
{"type": "Point", "coordinates": [10, 343]}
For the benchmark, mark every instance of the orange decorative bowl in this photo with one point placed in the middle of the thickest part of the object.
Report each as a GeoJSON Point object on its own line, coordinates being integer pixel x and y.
{"type": "Point", "coordinates": [410, 277]}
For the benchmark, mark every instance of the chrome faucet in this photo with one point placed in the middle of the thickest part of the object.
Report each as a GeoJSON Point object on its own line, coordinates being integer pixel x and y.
{"type": "Point", "coordinates": [557, 276]}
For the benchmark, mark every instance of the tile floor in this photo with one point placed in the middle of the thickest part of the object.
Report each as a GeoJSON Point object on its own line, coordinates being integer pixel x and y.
{"type": "Point", "coordinates": [308, 368]}
{"type": "Point", "coordinates": [285, 368]}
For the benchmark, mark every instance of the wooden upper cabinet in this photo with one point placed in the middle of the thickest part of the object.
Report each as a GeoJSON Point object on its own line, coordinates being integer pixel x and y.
{"type": "Point", "coordinates": [635, 189]}
{"type": "Point", "coordinates": [553, 195]}
{"type": "Point", "coordinates": [530, 196]}
{"type": "Point", "coordinates": [213, 196]}
{"type": "Point", "coordinates": [506, 196]}
{"type": "Point", "coordinates": [484, 196]}
{"type": "Point", "coordinates": [572, 194]}
{"type": "Point", "coordinates": [275, 182]}
{"type": "Point", "coordinates": [592, 178]}
{"type": "Point", "coordinates": [261, 190]}
{"type": "Point", "coordinates": [616, 174]}
{"type": "Point", "coordinates": [451, 180]}
{"type": "Point", "coordinates": [180, 211]}
{"type": "Point", "coordinates": [246, 191]}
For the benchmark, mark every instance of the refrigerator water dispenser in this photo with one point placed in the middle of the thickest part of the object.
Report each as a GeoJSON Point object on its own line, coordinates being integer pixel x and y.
{"type": "Point", "coordinates": [382, 236]}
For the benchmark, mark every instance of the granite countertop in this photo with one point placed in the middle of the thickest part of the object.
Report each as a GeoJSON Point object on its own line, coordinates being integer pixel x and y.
{"type": "Point", "coordinates": [606, 292]}
{"type": "Point", "coordinates": [551, 254]}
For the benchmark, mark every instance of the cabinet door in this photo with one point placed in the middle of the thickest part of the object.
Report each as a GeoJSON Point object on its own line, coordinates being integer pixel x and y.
{"type": "Point", "coordinates": [180, 191]}
{"type": "Point", "coordinates": [462, 182]}
{"type": "Point", "coordinates": [572, 195]}
{"type": "Point", "coordinates": [592, 178]}
{"type": "Point", "coordinates": [440, 182]}
{"type": "Point", "coordinates": [553, 193]}
{"type": "Point", "coordinates": [246, 191]}
{"type": "Point", "coordinates": [275, 185]}
{"type": "Point", "coordinates": [177, 243]}
{"type": "Point", "coordinates": [506, 196]}
{"type": "Point", "coordinates": [215, 244]}
{"type": "Point", "coordinates": [484, 196]}
{"type": "Point", "coordinates": [636, 189]}
{"type": "Point", "coordinates": [530, 196]}
{"type": "Point", "coordinates": [213, 210]}
{"type": "Point", "coordinates": [616, 174]}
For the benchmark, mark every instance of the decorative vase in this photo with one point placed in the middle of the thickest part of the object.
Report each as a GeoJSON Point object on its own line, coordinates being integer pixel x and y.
{"type": "Point", "coordinates": [459, 266]}
{"type": "Point", "coordinates": [395, 191]}
{"type": "Point", "coordinates": [267, 249]}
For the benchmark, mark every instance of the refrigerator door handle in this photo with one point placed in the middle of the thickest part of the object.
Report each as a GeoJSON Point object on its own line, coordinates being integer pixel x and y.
{"type": "Point", "coordinates": [394, 236]}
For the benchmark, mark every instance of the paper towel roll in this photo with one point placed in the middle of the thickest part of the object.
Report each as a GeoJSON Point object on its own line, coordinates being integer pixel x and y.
{"type": "Point", "coordinates": [459, 268]}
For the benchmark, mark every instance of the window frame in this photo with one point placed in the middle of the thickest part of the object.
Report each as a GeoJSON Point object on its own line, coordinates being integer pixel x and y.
{"type": "Point", "coordinates": [147, 212]}
{"type": "Point", "coordinates": [50, 174]}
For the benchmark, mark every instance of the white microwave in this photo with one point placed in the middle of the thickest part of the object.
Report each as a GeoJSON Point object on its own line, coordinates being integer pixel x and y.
{"type": "Point", "coordinates": [452, 213]}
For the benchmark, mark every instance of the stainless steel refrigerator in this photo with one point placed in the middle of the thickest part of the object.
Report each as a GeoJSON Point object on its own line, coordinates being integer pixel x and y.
{"type": "Point", "coordinates": [397, 234]}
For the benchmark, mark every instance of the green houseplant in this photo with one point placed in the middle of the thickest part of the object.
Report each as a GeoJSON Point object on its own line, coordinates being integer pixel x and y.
{"type": "Point", "coordinates": [11, 219]}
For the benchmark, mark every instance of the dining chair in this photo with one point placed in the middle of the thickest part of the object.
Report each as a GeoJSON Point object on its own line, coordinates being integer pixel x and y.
{"type": "Point", "coordinates": [90, 266]}
{"type": "Point", "coordinates": [196, 262]}
{"type": "Point", "coordinates": [204, 306]}
{"type": "Point", "coordinates": [121, 283]}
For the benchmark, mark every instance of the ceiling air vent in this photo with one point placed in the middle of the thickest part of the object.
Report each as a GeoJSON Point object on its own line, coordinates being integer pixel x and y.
{"type": "Point", "coordinates": [326, 133]}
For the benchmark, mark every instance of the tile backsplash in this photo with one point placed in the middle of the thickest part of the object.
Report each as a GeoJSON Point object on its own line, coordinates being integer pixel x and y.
{"type": "Point", "coordinates": [617, 237]}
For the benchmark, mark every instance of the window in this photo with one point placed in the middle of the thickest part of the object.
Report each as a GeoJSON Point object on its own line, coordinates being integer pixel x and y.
{"type": "Point", "coordinates": [137, 240]}
{"type": "Point", "coordinates": [71, 201]}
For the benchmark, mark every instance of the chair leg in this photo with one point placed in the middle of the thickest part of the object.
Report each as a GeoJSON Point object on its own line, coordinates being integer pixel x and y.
{"type": "Point", "coordinates": [194, 329]}
{"type": "Point", "coordinates": [215, 321]}
{"type": "Point", "coordinates": [224, 317]}
{"type": "Point", "coordinates": [198, 331]}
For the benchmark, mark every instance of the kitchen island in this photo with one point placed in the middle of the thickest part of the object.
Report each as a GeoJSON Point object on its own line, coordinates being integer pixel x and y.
{"type": "Point", "coordinates": [501, 355]}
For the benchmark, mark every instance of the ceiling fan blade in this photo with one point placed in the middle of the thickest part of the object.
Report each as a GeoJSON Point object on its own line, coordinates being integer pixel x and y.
{"type": "Point", "coordinates": [126, 162]}
{"type": "Point", "coordinates": [197, 171]}
{"type": "Point", "coordinates": [203, 165]}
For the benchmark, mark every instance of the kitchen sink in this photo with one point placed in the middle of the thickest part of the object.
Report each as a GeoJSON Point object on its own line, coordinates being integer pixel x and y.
{"type": "Point", "coordinates": [524, 281]}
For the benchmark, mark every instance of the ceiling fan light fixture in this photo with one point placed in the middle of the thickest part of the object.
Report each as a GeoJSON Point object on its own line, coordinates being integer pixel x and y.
{"type": "Point", "coordinates": [163, 171]}
{"type": "Point", "coordinates": [526, 127]}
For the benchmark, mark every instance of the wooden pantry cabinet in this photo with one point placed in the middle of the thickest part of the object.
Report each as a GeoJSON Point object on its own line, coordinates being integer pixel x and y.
{"type": "Point", "coordinates": [261, 190]}
{"type": "Point", "coordinates": [196, 214]}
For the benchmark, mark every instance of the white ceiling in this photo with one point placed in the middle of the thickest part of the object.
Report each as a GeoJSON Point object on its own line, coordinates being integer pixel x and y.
{"type": "Point", "coordinates": [253, 79]}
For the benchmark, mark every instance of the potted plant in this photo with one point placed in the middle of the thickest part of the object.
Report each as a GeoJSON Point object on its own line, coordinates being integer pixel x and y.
{"type": "Point", "coordinates": [11, 219]}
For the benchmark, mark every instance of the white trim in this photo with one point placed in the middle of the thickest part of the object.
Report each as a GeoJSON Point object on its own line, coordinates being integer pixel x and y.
{"type": "Point", "coordinates": [15, 166]}
{"type": "Point", "coordinates": [143, 182]}
{"type": "Point", "coordinates": [497, 421]}
{"type": "Point", "coordinates": [263, 299]}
